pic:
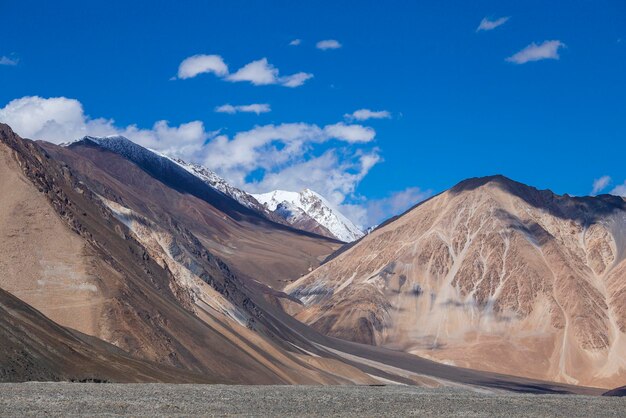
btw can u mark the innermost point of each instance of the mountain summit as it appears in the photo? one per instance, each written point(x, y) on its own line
point(300, 208)
point(491, 274)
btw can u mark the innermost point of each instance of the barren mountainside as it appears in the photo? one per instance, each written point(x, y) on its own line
point(140, 281)
point(167, 193)
point(36, 349)
point(125, 268)
point(158, 161)
point(491, 274)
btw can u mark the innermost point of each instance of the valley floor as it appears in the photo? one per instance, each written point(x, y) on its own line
point(72, 399)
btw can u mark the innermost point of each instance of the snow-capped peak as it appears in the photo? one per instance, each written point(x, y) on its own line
point(315, 206)
point(306, 210)
point(100, 140)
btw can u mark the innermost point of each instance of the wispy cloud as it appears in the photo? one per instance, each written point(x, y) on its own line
point(257, 108)
point(328, 44)
point(8, 61)
point(259, 72)
point(489, 24)
point(600, 184)
point(534, 52)
point(271, 146)
point(619, 190)
point(365, 114)
point(396, 203)
point(294, 80)
point(350, 133)
point(295, 42)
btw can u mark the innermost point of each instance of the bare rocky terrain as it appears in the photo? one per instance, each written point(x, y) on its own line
point(492, 275)
point(67, 399)
point(133, 270)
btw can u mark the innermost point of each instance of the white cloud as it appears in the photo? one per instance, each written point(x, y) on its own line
point(56, 119)
point(8, 61)
point(257, 72)
point(332, 175)
point(619, 190)
point(184, 141)
point(534, 52)
point(270, 146)
point(261, 72)
point(379, 210)
point(295, 42)
point(59, 119)
point(350, 133)
point(295, 80)
point(600, 184)
point(365, 114)
point(287, 156)
point(257, 108)
point(328, 44)
point(488, 24)
point(199, 64)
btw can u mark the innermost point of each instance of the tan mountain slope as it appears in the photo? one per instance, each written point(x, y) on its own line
point(135, 274)
point(255, 247)
point(71, 255)
point(491, 274)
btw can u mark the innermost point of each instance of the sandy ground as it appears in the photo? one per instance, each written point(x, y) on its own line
point(72, 399)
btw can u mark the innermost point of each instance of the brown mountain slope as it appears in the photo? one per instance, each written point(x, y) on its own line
point(67, 254)
point(35, 348)
point(139, 278)
point(255, 248)
point(493, 275)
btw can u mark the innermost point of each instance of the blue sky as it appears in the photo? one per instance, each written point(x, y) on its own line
point(456, 106)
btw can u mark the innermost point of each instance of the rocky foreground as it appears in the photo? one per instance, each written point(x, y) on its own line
point(71, 399)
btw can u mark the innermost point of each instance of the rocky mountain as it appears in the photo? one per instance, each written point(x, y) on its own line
point(258, 248)
point(134, 152)
point(116, 267)
point(93, 248)
point(218, 183)
point(307, 209)
point(492, 275)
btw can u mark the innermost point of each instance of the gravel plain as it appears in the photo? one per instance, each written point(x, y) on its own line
point(87, 399)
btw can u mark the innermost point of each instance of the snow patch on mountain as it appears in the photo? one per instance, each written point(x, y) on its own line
point(134, 152)
point(306, 210)
point(220, 184)
point(290, 204)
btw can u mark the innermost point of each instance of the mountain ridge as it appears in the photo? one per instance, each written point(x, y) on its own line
point(488, 258)
point(155, 161)
point(124, 258)
point(312, 205)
